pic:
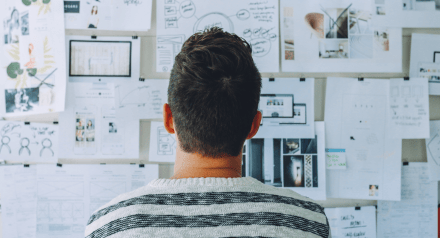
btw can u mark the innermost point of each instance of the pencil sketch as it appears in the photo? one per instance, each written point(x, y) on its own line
point(166, 145)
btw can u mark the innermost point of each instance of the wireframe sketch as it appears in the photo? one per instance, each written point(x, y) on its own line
point(98, 58)
point(107, 189)
point(166, 144)
point(257, 22)
point(25, 142)
point(60, 189)
point(60, 210)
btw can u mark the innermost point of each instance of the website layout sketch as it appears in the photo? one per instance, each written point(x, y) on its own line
point(112, 132)
point(33, 54)
point(85, 132)
point(28, 142)
point(100, 58)
point(162, 144)
point(255, 21)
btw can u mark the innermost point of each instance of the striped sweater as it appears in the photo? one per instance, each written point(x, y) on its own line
point(209, 207)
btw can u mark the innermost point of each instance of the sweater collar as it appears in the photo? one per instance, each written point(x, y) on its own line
point(210, 181)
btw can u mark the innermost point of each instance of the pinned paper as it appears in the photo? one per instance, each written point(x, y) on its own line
point(335, 158)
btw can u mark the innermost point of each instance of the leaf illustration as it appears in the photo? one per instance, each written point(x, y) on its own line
point(41, 9)
point(18, 82)
point(49, 62)
point(48, 56)
point(44, 69)
point(14, 56)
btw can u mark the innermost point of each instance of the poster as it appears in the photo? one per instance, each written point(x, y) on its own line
point(256, 21)
point(407, 13)
point(294, 163)
point(425, 60)
point(288, 108)
point(357, 120)
point(336, 36)
point(116, 15)
point(33, 78)
point(90, 128)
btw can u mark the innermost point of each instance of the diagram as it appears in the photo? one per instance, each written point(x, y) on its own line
point(137, 97)
point(60, 189)
point(25, 141)
point(166, 145)
point(256, 22)
point(107, 189)
point(60, 210)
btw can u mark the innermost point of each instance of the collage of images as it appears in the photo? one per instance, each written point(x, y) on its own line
point(342, 33)
point(282, 162)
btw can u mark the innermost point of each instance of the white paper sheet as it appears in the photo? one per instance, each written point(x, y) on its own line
point(425, 57)
point(407, 13)
point(103, 59)
point(33, 58)
point(89, 127)
point(349, 222)
point(409, 108)
point(19, 201)
point(336, 36)
point(294, 163)
point(433, 151)
point(50, 201)
point(279, 119)
point(128, 15)
point(141, 100)
point(255, 21)
point(356, 119)
point(162, 144)
point(416, 214)
point(28, 141)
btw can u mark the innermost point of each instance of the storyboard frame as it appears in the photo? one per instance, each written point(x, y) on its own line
point(102, 59)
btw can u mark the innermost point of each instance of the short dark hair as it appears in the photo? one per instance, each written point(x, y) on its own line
point(214, 93)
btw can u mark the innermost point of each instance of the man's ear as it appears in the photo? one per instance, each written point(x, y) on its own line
point(168, 119)
point(255, 125)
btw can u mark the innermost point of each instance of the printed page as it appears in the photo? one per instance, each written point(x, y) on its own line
point(352, 222)
point(425, 59)
point(416, 214)
point(293, 163)
point(108, 15)
point(89, 127)
point(336, 36)
point(407, 13)
point(409, 108)
point(162, 144)
point(103, 59)
point(142, 100)
point(255, 21)
point(356, 119)
point(33, 78)
point(433, 151)
point(287, 106)
point(19, 201)
point(28, 141)
point(62, 200)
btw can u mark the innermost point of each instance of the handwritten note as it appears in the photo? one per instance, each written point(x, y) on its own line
point(335, 158)
point(409, 108)
point(350, 222)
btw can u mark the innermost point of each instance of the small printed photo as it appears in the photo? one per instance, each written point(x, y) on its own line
point(90, 129)
point(289, 53)
point(360, 21)
point(380, 10)
point(25, 23)
point(291, 146)
point(361, 46)
point(336, 23)
point(315, 23)
point(90, 123)
point(381, 39)
point(21, 100)
point(11, 27)
point(275, 102)
point(293, 170)
point(374, 190)
point(421, 5)
point(112, 127)
point(333, 49)
point(309, 146)
point(79, 135)
point(93, 18)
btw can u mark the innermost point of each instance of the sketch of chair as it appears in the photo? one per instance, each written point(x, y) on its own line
point(315, 22)
point(340, 22)
point(47, 145)
point(5, 143)
point(24, 142)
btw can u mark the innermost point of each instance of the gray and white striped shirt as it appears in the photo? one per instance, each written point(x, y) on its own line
point(209, 207)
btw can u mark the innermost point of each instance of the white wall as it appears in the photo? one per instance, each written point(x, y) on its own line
point(412, 150)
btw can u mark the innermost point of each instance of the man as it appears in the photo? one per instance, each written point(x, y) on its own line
point(213, 101)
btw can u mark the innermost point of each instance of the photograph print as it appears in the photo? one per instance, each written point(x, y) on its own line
point(22, 99)
point(291, 146)
point(293, 170)
point(421, 5)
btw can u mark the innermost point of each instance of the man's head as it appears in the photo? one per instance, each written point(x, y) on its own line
point(213, 94)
